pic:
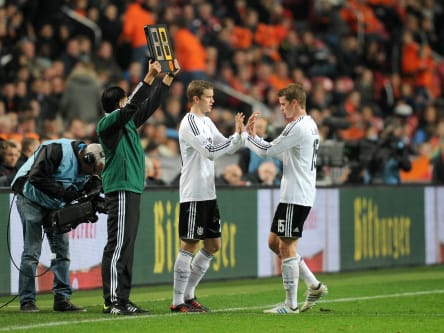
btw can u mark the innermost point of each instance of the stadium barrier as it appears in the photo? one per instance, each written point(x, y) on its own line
point(349, 228)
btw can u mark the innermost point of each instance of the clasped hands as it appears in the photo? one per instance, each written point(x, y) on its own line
point(249, 127)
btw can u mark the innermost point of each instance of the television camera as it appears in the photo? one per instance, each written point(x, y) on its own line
point(365, 154)
point(82, 210)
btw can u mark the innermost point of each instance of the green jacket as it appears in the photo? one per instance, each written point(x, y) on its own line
point(117, 131)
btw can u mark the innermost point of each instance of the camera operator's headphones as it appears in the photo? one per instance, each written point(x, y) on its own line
point(89, 158)
point(93, 154)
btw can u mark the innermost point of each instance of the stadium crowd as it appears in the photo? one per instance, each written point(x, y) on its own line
point(373, 70)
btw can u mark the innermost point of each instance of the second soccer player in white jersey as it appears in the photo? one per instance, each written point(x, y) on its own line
point(199, 219)
point(297, 145)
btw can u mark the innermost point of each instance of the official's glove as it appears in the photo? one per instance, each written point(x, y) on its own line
point(71, 195)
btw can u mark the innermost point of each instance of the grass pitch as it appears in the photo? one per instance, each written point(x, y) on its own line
point(398, 300)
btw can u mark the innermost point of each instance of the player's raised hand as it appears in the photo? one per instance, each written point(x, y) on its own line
point(251, 123)
point(239, 122)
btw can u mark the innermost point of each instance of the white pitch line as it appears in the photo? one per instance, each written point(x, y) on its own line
point(108, 317)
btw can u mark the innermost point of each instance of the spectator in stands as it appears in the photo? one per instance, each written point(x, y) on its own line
point(171, 110)
point(191, 54)
point(107, 68)
point(153, 174)
point(110, 23)
point(71, 55)
point(421, 171)
point(419, 67)
point(231, 175)
point(428, 120)
point(9, 156)
point(51, 128)
point(138, 13)
point(391, 156)
point(29, 146)
point(265, 175)
point(81, 98)
point(257, 35)
point(438, 166)
point(77, 129)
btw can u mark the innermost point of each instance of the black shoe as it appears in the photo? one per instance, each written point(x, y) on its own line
point(183, 308)
point(29, 307)
point(117, 309)
point(63, 304)
point(196, 305)
point(131, 307)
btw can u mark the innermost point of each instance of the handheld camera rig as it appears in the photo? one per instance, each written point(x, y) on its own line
point(82, 210)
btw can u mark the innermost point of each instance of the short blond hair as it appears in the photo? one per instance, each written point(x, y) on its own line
point(294, 91)
point(197, 87)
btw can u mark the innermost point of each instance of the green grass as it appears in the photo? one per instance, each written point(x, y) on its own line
point(390, 300)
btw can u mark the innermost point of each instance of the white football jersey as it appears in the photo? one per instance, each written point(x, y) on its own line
point(297, 145)
point(200, 144)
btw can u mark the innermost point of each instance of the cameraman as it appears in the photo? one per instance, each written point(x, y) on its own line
point(52, 177)
point(391, 156)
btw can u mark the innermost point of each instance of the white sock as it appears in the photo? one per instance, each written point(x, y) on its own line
point(290, 277)
point(199, 267)
point(182, 271)
point(306, 274)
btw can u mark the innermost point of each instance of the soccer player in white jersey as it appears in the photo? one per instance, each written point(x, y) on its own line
point(199, 219)
point(297, 145)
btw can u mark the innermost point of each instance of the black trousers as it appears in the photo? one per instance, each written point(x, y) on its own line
point(118, 255)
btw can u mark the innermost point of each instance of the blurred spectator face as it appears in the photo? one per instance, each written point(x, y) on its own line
point(21, 89)
point(430, 114)
point(47, 31)
point(252, 18)
point(440, 130)
point(85, 45)
point(106, 50)
point(261, 127)
point(173, 106)
point(9, 90)
point(316, 115)
point(267, 172)
point(73, 48)
point(111, 12)
point(13, 117)
point(233, 174)
point(205, 10)
point(93, 14)
point(161, 133)
point(5, 124)
point(58, 67)
point(135, 71)
point(78, 129)
point(153, 168)
point(23, 74)
point(188, 13)
point(27, 48)
point(51, 129)
point(57, 85)
point(157, 168)
point(177, 89)
point(11, 156)
point(28, 125)
point(30, 148)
